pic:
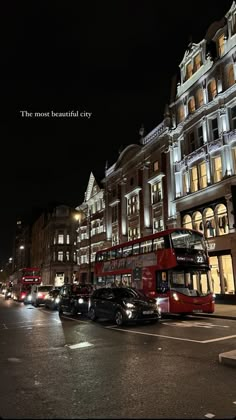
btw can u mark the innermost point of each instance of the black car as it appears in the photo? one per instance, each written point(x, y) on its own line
point(74, 298)
point(122, 305)
point(52, 299)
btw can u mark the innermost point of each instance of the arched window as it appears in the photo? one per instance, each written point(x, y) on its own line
point(199, 97)
point(187, 222)
point(229, 76)
point(191, 105)
point(209, 223)
point(181, 113)
point(212, 90)
point(197, 221)
point(222, 219)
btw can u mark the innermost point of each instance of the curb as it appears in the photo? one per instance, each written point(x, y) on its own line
point(228, 358)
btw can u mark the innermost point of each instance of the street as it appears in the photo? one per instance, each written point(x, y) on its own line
point(71, 367)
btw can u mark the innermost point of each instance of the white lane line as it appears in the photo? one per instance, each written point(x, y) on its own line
point(154, 335)
point(5, 327)
point(80, 345)
point(218, 339)
point(209, 415)
point(173, 338)
point(74, 319)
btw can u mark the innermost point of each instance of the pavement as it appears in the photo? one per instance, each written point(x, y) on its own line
point(225, 311)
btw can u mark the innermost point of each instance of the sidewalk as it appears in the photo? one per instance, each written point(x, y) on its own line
point(225, 311)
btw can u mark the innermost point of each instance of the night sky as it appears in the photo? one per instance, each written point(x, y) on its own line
point(113, 59)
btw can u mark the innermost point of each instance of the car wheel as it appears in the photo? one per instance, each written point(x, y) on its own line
point(153, 321)
point(92, 314)
point(36, 304)
point(119, 318)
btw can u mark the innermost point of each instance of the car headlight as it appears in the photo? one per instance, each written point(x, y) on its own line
point(57, 300)
point(81, 300)
point(130, 305)
point(29, 297)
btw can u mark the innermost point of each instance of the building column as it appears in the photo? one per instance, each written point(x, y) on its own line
point(146, 201)
point(230, 210)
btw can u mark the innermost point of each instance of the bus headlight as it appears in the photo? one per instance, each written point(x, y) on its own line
point(175, 296)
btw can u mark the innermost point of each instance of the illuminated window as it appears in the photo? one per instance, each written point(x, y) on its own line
point(200, 97)
point(212, 90)
point(133, 205)
point(67, 239)
point(222, 219)
point(67, 256)
point(214, 128)
point(191, 105)
point(187, 222)
point(229, 75)
point(155, 166)
point(158, 225)
point(60, 256)
point(215, 274)
point(181, 113)
point(221, 45)
point(217, 168)
point(189, 70)
point(197, 221)
point(156, 193)
point(203, 175)
point(200, 136)
point(197, 62)
point(227, 274)
point(114, 213)
point(60, 239)
point(209, 223)
point(193, 179)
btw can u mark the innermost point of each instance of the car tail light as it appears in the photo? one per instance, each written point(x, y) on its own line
point(23, 295)
point(40, 294)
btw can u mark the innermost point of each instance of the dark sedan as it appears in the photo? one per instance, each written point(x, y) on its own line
point(52, 299)
point(122, 305)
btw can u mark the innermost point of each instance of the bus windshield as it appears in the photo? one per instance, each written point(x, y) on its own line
point(28, 273)
point(190, 282)
point(187, 239)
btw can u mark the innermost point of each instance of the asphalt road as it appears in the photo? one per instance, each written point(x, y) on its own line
point(69, 367)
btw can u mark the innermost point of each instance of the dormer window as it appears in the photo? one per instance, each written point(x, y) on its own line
point(189, 70)
point(197, 62)
point(221, 45)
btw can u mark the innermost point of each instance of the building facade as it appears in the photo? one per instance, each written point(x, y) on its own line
point(54, 245)
point(203, 152)
point(91, 229)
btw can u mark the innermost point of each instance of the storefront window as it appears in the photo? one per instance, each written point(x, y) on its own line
point(215, 275)
point(209, 223)
point(197, 221)
point(222, 219)
point(228, 279)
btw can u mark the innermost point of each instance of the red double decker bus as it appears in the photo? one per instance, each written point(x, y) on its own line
point(171, 265)
point(23, 280)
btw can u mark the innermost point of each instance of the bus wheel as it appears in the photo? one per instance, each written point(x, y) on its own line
point(92, 314)
point(119, 318)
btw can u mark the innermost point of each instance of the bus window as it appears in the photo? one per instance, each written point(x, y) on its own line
point(145, 246)
point(119, 253)
point(127, 250)
point(112, 254)
point(136, 249)
point(158, 243)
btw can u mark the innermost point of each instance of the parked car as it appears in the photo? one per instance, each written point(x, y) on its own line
point(38, 293)
point(74, 298)
point(122, 305)
point(52, 299)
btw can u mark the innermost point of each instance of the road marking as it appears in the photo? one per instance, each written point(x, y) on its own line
point(73, 319)
point(209, 415)
point(13, 359)
point(173, 338)
point(154, 335)
point(194, 324)
point(5, 327)
point(80, 345)
point(218, 339)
